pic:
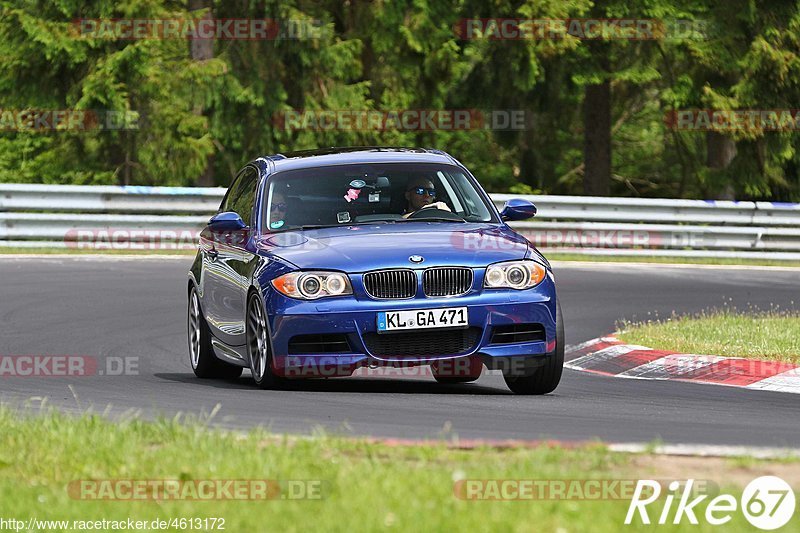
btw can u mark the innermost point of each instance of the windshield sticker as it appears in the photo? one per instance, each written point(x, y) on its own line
point(374, 197)
point(352, 194)
point(277, 224)
point(358, 184)
point(343, 217)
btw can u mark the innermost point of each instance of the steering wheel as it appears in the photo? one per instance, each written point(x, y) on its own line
point(433, 212)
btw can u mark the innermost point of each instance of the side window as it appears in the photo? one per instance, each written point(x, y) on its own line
point(225, 206)
point(473, 207)
point(242, 195)
point(451, 194)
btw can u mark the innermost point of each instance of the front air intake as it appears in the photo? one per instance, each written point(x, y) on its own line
point(391, 284)
point(447, 281)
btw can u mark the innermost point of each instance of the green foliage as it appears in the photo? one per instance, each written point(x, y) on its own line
point(218, 113)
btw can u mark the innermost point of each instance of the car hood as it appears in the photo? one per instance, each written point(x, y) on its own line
point(368, 247)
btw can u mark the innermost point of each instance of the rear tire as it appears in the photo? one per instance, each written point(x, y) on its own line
point(201, 354)
point(546, 378)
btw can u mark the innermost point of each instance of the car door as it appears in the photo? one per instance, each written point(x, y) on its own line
point(225, 260)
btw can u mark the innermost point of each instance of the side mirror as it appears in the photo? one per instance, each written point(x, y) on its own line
point(227, 221)
point(518, 209)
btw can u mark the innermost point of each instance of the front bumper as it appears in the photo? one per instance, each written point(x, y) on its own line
point(356, 317)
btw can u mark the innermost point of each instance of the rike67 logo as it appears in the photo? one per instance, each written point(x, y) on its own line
point(767, 502)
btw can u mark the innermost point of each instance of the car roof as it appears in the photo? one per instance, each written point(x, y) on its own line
point(357, 154)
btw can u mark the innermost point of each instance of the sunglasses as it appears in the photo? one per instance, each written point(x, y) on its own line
point(279, 206)
point(424, 190)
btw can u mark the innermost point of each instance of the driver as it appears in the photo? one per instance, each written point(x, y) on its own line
point(420, 193)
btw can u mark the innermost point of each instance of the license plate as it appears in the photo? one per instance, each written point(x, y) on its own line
point(422, 319)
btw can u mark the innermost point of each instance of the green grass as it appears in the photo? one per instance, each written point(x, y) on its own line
point(669, 260)
point(367, 486)
point(773, 335)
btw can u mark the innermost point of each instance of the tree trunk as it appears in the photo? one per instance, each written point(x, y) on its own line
point(528, 169)
point(202, 50)
point(720, 151)
point(597, 139)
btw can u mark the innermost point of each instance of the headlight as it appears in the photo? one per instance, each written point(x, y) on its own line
point(514, 275)
point(312, 285)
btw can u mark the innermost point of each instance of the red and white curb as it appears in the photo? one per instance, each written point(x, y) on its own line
point(612, 357)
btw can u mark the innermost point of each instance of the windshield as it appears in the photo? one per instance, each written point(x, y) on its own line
point(371, 193)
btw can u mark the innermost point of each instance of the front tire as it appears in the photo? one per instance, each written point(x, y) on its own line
point(547, 377)
point(201, 354)
point(258, 346)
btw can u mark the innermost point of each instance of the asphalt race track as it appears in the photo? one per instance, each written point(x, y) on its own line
point(118, 308)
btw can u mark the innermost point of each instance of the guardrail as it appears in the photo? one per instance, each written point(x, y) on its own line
point(168, 217)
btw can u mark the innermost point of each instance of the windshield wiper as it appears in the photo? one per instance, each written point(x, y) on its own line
point(306, 227)
point(432, 219)
point(321, 226)
point(353, 223)
point(377, 221)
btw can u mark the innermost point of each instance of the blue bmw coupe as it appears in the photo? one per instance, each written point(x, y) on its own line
point(324, 261)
